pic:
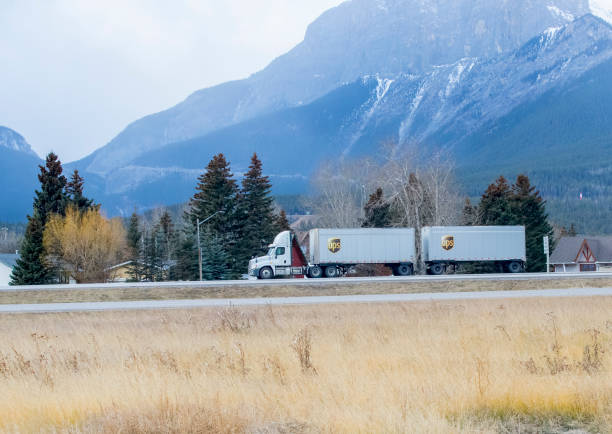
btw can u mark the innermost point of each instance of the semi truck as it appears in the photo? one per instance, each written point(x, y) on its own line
point(332, 252)
point(444, 246)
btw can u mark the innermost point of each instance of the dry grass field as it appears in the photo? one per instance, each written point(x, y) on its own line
point(480, 366)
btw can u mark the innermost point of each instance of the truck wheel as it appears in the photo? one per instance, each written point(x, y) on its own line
point(266, 273)
point(515, 267)
point(436, 269)
point(331, 272)
point(315, 272)
point(403, 270)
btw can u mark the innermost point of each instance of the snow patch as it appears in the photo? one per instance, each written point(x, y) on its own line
point(382, 87)
point(561, 14)
point(5, 275)
point(414, 106)
point(602, 9)
point(455, 75)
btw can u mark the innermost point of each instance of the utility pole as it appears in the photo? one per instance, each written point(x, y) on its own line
point(199, 223)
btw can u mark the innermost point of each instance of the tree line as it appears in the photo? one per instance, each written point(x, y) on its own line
point(68, 237)
point(405, 189)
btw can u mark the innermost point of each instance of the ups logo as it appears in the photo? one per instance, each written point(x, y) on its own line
point(334, 245)
point(448, 242)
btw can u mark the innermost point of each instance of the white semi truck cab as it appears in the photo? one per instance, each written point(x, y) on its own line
point(284, 258)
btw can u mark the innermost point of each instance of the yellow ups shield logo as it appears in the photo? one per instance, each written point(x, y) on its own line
point(448, 242)
point(334, 245)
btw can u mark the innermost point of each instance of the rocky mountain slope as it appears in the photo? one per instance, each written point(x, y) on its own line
point(18, 169)
point(357, 38)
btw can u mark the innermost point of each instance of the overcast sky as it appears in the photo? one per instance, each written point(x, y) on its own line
point(74, 73)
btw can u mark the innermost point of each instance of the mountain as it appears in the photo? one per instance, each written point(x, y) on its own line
point(18, 169)
point(503, 86)
point(357, 38)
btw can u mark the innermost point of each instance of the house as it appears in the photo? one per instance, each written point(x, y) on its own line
point(7, 262)
point(578, 254)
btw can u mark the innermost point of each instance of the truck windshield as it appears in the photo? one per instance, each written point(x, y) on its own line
point(271, 251)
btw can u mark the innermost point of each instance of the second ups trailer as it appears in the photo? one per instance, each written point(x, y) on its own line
point(450, 245)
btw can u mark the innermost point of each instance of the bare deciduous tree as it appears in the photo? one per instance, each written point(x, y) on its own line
point(342, 190)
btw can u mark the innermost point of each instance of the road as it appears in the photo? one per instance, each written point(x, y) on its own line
point(311, 282)
point(381, 298)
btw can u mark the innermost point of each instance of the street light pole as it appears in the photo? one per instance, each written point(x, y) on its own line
point(199, 223)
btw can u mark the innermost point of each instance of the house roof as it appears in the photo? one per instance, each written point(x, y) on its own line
point(568, 249)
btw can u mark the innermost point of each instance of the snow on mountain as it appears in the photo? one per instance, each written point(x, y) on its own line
point(354, 39)
point(13, 140)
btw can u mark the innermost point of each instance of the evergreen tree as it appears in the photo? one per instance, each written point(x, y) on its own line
point(74, 193)
point(282, 223)
point(255, 214)
point(134, 241)
point(215, 259)
point(216, 191)
point(216, 199)
point(377, 211)
point(530, 211)
point(494, 207)
point(186, 267)
point(30, 268)
point(469, 216)
point(51, 198)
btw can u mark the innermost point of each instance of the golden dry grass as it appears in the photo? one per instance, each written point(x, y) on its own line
point(264, 290)
point(478, 366)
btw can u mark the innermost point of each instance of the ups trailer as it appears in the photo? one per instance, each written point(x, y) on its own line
point(332, 252)
point(444, 246)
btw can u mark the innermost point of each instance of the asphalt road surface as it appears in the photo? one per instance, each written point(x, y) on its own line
point(310, 282)
point(381, 298)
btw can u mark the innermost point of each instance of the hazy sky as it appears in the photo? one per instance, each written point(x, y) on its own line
point(74, 73)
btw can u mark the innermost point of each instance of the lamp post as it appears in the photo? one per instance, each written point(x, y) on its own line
point(199, 223)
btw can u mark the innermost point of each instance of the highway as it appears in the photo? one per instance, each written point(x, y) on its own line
point(310, 282)
point(280, 301)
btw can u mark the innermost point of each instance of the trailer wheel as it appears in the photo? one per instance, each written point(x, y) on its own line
point(436, 269)
point(315, 272)
point(515, 267)
point(266, 273)
point(332, 272)
point(403, 270)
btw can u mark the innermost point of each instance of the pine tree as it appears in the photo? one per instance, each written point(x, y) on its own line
point(256, 214)
point(186, 267)
point(215, 259)
point(282, 223)
point(134, 241)
point(30, 268)
point(51, 198)
point(494, 207)
point(530, 211)
point(74, 193)
point(216, 200)
point(377, 211)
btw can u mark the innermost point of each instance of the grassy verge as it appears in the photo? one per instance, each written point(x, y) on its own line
point(542, 365)
point(259, 291)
